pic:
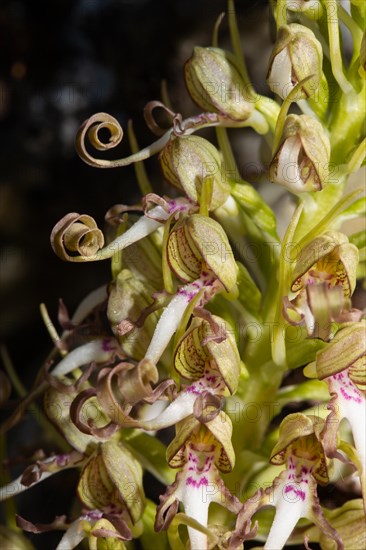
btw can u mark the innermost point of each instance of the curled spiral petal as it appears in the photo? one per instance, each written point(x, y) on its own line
point(150, 120)
point(90, 129)
point(87, 426)
point(89, 132)
point(76, 238)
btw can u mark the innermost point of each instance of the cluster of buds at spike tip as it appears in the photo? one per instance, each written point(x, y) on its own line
point(341, 364)
point(214, 82)
point(324, 278)
point(293, 493)
point(188, 162)
point(297, 55)
point(206, 356)
point(301, 162)
point(202, 451)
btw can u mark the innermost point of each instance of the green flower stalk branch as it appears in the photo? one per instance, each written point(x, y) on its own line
point(247, 348)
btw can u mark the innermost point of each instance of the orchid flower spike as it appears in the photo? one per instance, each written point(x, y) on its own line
point(323, 281)
point(293, 492)
point(201, 451)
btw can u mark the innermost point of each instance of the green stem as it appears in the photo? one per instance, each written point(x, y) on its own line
point(278, 339)
point(354, 29)
point(281, 13)
point(252, 415)
point(329, 218)
point(270, 109)
point(357, 158)
point(226, 149)
point(215, 33)
point(141, 174)
point(10, 509)
point(236, 45)
point(347, 125)
point(331, 7)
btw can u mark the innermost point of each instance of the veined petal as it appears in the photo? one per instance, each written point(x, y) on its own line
point(16, 486)
point(179, 409)
point(100, 351)
point(39, 472)
point(143, 227)
point(183, 406)
point(172, 316)
point(279, 77)
point(287, 170)
point(73, 536)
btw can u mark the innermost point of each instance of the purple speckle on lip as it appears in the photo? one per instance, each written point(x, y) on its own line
point(196, 484)
point(297, 492)
point(107, 344)
point(62, 460)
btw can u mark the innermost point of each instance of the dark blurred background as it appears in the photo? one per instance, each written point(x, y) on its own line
point(61, 62)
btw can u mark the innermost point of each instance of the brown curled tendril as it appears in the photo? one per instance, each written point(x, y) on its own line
point(207, 406)
point(150, 119)
point(156, 200)
point(115, 215)
point(76, 238)
point(108, 391)
point(89, 131)
point(71, 387)
point(91, 127)
point(88, 428)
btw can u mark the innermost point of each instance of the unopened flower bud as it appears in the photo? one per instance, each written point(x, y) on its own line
point(188, 161)
point(313, 9)
point(198, 350)
point(197, 243)
point(127, 298)
point(301, 162)
point(215, 84)
point(296, 56)
point(108, 480)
